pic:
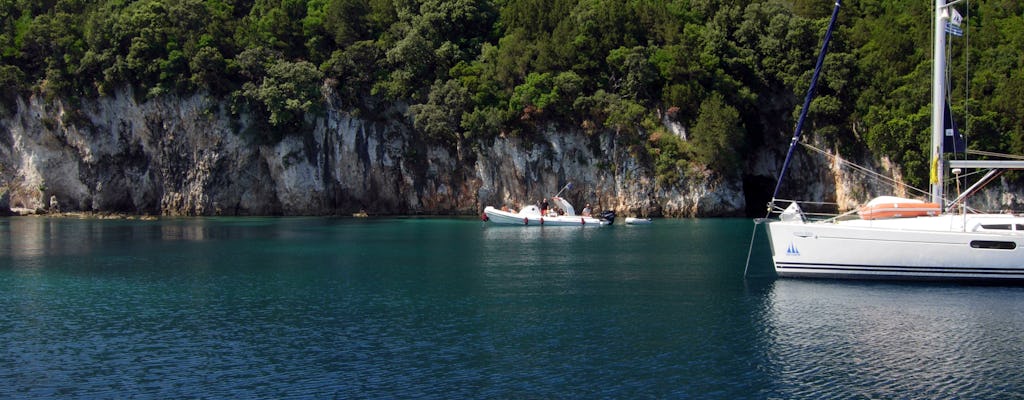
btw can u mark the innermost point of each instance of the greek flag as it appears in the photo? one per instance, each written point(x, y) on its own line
point(953, 25)
point(955, 18)
point(954, 30)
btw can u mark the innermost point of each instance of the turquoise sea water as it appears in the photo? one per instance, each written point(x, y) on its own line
point(454, 308)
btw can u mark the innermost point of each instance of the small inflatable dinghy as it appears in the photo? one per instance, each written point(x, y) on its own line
point(637, 221)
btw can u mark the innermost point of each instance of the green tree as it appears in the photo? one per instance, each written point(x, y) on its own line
point(441, 116)
point(282, 91)
point(290, 90)
point(11, 78)
point(410, 62)
point(355, 70)
point(633, 76)
point(54, 45)
point(275, 24)
point(670, 157)
point(610, 110)
point(209, 70)
point(347, 21)
point(533, 96)
point(718, 136)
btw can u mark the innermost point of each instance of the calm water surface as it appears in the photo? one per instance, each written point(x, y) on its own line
point(452, 308)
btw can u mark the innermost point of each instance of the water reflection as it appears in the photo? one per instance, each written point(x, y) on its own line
point(322, 308)
point(492, 232)
point(883, 340)
point(510, 246)
point(26, 239)
point(184, 231)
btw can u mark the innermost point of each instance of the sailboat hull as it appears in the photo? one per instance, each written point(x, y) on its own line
point(885, 243)
point(929, 248)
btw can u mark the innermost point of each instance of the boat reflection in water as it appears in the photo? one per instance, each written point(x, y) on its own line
point(506, 246)
point(885, 340)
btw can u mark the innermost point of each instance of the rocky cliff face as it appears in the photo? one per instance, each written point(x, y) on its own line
point(185, 156)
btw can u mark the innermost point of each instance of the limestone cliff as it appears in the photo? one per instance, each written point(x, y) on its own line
point(186, 156)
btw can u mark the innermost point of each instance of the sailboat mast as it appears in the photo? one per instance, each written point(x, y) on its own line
point(938, 101)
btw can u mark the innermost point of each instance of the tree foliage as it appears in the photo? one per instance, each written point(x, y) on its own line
point(719, 135)
point(734, 72)
point(288, 91)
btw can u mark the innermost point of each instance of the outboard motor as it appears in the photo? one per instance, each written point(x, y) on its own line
point(608, 216)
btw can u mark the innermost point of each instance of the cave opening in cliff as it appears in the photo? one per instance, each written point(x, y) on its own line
point(757, 191)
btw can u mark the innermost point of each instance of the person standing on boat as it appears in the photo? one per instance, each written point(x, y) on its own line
point(544, 206)
point(586, 210)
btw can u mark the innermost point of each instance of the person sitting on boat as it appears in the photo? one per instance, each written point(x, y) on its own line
point(586, 210)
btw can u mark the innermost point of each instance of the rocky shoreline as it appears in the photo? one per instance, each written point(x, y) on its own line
point(25, 212)
point(175, 156)
point(188, 156)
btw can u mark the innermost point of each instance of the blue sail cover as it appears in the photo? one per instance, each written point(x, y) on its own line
point(953, 141)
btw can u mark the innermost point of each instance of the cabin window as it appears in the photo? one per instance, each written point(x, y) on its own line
point(1003, 227)
point(993, 244)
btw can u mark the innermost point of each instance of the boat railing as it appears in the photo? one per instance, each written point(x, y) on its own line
point(812, 210)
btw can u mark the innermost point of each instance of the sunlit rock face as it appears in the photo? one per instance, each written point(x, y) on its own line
point(189, 156)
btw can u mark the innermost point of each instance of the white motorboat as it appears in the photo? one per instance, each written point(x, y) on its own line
point(898, 239)
point(531, 216)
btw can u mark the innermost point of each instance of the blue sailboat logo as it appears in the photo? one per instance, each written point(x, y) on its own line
point(791, 250)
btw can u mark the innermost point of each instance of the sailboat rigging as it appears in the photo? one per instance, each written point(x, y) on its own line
point(897, 238)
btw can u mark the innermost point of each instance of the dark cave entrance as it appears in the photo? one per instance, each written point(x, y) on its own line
point(757, 191)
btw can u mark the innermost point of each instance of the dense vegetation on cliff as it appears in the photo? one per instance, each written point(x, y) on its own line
point(727, 71)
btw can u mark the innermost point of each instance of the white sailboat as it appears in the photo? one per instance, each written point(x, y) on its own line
point(938, 241)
